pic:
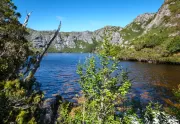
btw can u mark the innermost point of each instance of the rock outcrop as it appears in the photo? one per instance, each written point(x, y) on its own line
point(69, 39)
point(144, 19)
point(123, 36)
point(157, 21)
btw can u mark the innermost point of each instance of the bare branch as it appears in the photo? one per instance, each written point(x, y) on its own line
point(27, 19)
point(39, 58)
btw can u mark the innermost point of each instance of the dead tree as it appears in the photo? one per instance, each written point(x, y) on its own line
point(32, 71)
point(39, 57)
point(27, 19)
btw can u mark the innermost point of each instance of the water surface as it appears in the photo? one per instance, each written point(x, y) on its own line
point(151, 82)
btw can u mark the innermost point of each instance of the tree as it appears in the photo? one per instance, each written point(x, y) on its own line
point(104, 85)
point(39, 57)
point(14, 48)
point(21, 100)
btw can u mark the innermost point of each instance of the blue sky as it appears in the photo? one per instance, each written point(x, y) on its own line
point(82, 15)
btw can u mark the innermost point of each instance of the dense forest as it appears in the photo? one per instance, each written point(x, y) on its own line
point(104, 88)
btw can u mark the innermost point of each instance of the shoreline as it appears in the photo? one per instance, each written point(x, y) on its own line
point(149, 61)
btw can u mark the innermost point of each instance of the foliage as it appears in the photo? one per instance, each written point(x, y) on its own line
point(13, 46)
point(20, 101)
point(155, 114)
point(175, 109)
point(52, 50)
point(64, 117)
point(154, 37)
point(102, 87)
point(174, 45)
point(174, 8)
point(155, 46)
point(129, 34)
point(103, 83)
point(159, 43)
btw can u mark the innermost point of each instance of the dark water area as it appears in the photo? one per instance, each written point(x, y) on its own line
point(150, 82)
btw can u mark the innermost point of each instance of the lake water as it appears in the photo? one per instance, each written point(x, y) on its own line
point(150, 82)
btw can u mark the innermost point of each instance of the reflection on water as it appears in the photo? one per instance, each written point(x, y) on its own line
point(57, 74)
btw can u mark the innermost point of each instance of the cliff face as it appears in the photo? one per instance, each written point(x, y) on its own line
point(166, 20)
point(69, 39)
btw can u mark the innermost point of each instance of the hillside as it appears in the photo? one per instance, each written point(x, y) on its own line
point(152, 37)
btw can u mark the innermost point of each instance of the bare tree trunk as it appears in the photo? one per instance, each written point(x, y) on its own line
point(36, 65)
point(27, 19)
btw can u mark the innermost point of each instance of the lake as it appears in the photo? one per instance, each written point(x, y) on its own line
point(150, 82)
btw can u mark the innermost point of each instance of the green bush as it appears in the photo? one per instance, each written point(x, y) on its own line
point(101, 90)
point(19, 100)
point(128, 34)
point(52, 50)
point(153, 40)
point(174, 45)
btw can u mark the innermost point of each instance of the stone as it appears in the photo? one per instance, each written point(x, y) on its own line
point(68, 39)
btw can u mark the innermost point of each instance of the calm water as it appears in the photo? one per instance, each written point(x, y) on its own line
point(57, 74)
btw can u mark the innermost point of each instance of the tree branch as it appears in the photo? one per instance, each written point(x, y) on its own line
point(39, 58)
point(27, 19)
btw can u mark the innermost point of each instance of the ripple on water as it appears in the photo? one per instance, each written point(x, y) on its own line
point(57, 75)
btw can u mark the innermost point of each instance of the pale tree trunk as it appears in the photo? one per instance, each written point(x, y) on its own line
point(27, 19)
point(39, 58)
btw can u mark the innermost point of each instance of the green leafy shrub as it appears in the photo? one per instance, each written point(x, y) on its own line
point(14, 47)
point(52, 50)
point(129, 34)
point(174, 45)
point(19, 101)
point(102, 87)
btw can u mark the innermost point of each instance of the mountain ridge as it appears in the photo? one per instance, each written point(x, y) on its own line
point(150, 36)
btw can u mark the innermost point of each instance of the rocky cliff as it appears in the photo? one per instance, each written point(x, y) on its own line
point(162, 26)
point(70, 39)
